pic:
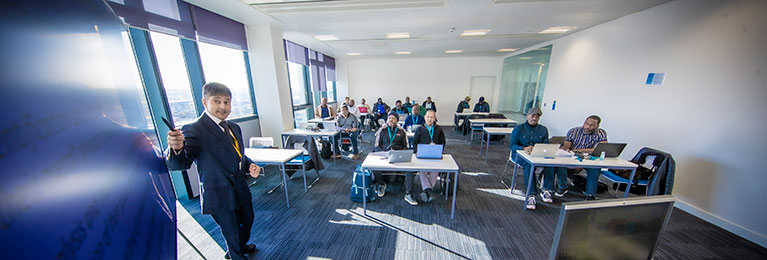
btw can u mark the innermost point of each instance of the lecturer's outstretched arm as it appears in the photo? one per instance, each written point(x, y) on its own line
point(183, 147)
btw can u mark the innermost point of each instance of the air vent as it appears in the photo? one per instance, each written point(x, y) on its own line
point(303, 6)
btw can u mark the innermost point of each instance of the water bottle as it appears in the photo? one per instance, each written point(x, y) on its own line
point(602, 156)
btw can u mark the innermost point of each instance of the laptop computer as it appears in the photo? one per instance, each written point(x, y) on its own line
point(363, 109)
point(400, 156)
point(429, 151)
point(611, 149)
point(329, 125)
point(545, 150)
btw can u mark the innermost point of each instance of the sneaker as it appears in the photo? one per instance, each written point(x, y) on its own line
point(355, 157)
point(530, 203)
point(381, 190)
point(590, 197)
point(561, 193)
point(410, 200)
point(546, 196)
point(428, 192)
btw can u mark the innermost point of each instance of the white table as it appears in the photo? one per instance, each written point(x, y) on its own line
point(459, 116)
point(609, 163)
point(320, 120)
point(302, 132)
point(490, 131)
point(484, 121)
point(447, 164)
point(279, 157)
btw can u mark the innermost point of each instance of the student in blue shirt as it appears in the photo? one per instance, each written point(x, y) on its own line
point(414, 119)
point(324, 110)
point(584, 139)
point(380, 109)
point(482, 106)
point(524, 137)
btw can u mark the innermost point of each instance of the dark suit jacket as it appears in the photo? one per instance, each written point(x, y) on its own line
point(222, 173)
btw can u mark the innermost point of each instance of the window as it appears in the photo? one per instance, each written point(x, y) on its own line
point(227, 66)
point(331, 85)
point(142, 99)
point(297, 79)
point(175, 79)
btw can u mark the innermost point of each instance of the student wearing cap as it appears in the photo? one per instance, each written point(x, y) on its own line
point(429, 105)
point(391, 137)
point(524, 137)
point(414, 119)
point(429, 133)
point(482, 106)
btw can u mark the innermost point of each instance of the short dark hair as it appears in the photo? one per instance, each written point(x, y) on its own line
point(398, 101)
point(595, 117)
point(215, 89)
point(345, 106)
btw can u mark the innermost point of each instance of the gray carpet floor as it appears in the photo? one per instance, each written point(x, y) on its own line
point(325, 223)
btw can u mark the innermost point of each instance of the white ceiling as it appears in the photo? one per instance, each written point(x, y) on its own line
point(361, 25)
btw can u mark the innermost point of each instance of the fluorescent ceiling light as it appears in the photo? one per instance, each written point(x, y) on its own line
point(402, 52)
point(326, 37)
point(558, 29)
point(508, 49)
point(525, 58)
point(469, 33)
point(354, 54)
point(402, 35)
point(454, 51)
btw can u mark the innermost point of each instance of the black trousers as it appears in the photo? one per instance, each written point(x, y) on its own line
point(409, 176)
point(375, 120)
point(235, 226)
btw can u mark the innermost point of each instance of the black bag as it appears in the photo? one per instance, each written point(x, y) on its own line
point(580, 183)
point(326, 151)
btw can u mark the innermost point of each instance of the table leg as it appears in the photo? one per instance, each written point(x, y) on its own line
point(481, 139)
point(364, 193)
point(335, 146)
point(282, 138)
point(285, 183)
point(631, 180)
point(487, 149)
point(513, 179)
point(303, 170)
point(530, 184)
point(455, 189)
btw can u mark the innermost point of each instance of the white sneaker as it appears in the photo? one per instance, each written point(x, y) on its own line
point(546, 196)
point(381, 190)
point(410, 200)
point(530, 203)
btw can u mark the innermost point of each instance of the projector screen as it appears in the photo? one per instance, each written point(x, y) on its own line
point(611, 229)
point(82, 173)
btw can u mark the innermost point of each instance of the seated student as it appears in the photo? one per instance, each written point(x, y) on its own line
point(324, 110)
point(414, 119)
point(408, 105)
point(347, 124)
point(524, 137)
point(429, 105)
point(354, 110)
point(584, 139)
point(463, 105)
point(346, 103)
point(392, 137)
point(380, 109)
point(482, 106)
point(399, 109)
point(430, 133)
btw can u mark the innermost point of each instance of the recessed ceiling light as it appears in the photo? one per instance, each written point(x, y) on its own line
point(525, 58)
point(558, 29)
point(402, 52)
point(402, 35)
point(508, 49)
point(354, 54)
point(469, 33)
point(454, 51)
point(329, 37)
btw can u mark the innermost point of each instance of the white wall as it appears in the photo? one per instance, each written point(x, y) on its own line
point(446, 80)
point(709, 113)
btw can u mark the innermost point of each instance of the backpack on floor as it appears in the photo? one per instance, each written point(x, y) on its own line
point(357, 190)
point(326, 151)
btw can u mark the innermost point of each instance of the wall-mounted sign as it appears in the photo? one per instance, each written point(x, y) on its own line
point(655, 79)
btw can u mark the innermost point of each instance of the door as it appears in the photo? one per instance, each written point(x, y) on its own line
point(482, 86)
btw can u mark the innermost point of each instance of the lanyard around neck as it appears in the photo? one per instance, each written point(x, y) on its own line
point(391, 136)
point(431, 132)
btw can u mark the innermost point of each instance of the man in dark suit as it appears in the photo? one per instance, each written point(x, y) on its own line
point(216, 146)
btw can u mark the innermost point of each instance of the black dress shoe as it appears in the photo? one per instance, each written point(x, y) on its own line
point(227, 256)
point(249, 248)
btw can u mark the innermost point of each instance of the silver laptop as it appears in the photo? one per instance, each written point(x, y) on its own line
point(545, 150)
point(429, 151)
point(329, 125)
point(400, 156)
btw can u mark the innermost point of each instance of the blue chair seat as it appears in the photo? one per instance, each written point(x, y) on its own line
point(300, 160)
point(618, 179)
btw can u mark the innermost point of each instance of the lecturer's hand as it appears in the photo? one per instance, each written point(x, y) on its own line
point(176, 140)
point(254, 170)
